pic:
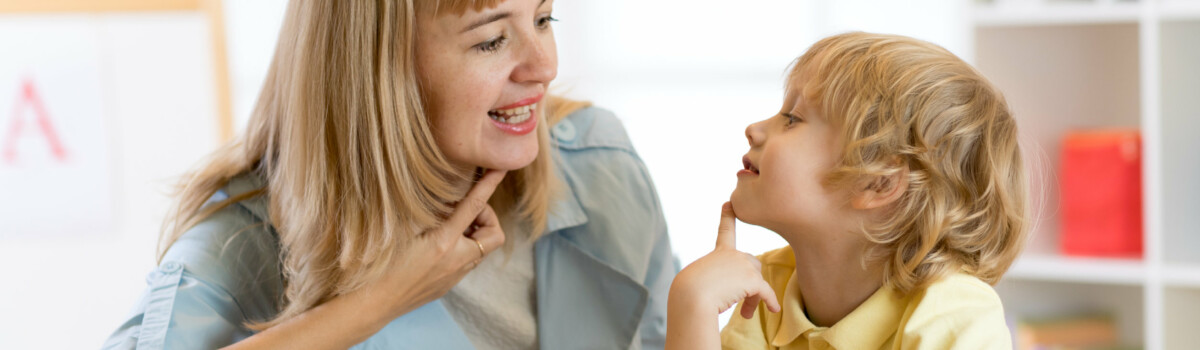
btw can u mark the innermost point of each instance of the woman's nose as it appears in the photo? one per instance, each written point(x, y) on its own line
point(538, 60)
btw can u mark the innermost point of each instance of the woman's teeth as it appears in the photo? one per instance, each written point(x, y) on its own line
point(513, 115)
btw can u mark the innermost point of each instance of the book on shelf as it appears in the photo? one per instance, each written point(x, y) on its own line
point(1101, 184)
point(1083, 331)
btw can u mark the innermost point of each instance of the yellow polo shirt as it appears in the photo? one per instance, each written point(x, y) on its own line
point(958, 312)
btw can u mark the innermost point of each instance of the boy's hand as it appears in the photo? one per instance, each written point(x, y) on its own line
point(724, 277)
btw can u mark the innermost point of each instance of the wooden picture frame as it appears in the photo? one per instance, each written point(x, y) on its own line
point(212, 9)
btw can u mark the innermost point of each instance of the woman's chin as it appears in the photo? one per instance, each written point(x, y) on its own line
point(510, 162)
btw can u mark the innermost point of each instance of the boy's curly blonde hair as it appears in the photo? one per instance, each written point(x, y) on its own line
point(906, 106)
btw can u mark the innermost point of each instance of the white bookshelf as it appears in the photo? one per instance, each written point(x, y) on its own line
point(1185, 276)
point(1067, 64)
point(1035, 13)
point(1100, 271)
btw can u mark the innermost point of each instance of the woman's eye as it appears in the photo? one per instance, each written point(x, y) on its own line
point(544, 22)
point(491, 45)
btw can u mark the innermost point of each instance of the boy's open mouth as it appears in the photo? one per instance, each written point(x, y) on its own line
point(747, 165)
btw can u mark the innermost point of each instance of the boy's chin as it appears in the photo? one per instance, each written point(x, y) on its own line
point(742, 208)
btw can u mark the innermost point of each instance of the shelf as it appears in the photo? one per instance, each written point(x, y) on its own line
point(1035, 14)
point(1055, 14)
point(1033, 300)
point(1180, 10)
point(1182, 275)
point(1181, 317)
point(1079, 270)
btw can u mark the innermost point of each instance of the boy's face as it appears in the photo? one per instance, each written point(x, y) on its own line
point(781, 187)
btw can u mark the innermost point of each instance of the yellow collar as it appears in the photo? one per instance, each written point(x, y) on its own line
point(867, 327)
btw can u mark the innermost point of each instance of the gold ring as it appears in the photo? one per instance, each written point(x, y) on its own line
point(480, 245)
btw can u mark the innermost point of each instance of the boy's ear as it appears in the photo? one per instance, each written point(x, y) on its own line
point(881, 191)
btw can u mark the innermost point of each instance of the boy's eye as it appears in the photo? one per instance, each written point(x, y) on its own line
point(492, 44)
point(789, 119)
point(544, 22)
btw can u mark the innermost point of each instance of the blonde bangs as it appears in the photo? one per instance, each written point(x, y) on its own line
point(457, 7)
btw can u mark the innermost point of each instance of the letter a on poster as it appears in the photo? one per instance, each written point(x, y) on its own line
point(55, 168)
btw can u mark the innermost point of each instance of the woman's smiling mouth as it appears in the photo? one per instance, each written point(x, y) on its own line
point(518, 118)
point(513, 115)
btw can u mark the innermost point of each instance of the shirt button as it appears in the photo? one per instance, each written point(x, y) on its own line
point(564, 131)
point(171, 266)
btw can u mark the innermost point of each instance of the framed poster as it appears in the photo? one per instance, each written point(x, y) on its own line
point(63, 113)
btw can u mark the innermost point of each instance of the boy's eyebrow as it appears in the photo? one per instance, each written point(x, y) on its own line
point(799, 113)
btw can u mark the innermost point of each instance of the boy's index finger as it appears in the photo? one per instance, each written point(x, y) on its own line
point(726, 237)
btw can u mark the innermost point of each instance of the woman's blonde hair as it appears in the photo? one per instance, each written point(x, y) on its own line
point(906, 106)
point(352, 169)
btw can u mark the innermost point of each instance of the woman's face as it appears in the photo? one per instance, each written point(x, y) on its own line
point(483, 76)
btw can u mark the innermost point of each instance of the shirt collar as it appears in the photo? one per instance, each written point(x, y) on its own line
point(794, 322)
point(566, 210)
point(871, 324)
point(867, 327)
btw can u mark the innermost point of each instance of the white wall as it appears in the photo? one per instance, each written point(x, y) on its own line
point(686, 77)
point(252, 28)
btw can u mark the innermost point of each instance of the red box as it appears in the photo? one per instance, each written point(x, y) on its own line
point(1101, 182)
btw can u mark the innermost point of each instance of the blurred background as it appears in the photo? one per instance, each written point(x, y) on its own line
point(103, 103)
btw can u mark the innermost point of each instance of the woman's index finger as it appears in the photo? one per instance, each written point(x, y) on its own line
point(476, 199)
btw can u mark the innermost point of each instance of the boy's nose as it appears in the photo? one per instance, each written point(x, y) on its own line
point(755, 134)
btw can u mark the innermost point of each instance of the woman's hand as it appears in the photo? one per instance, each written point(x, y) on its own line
point(440, 257)
point(435, 261)
point(711, 285)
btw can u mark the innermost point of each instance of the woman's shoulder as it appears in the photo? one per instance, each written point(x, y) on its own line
point(608, 191)
point(593, 146)
point(591, 128)
point(220, 274)
point(598, 162)
point(235, 248)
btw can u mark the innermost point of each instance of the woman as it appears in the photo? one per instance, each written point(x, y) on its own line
point(359, 208)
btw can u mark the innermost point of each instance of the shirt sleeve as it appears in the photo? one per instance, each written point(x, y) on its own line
point(744, 334)
point(180, 311)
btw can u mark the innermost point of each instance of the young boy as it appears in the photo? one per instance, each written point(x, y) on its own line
point(893, 173)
